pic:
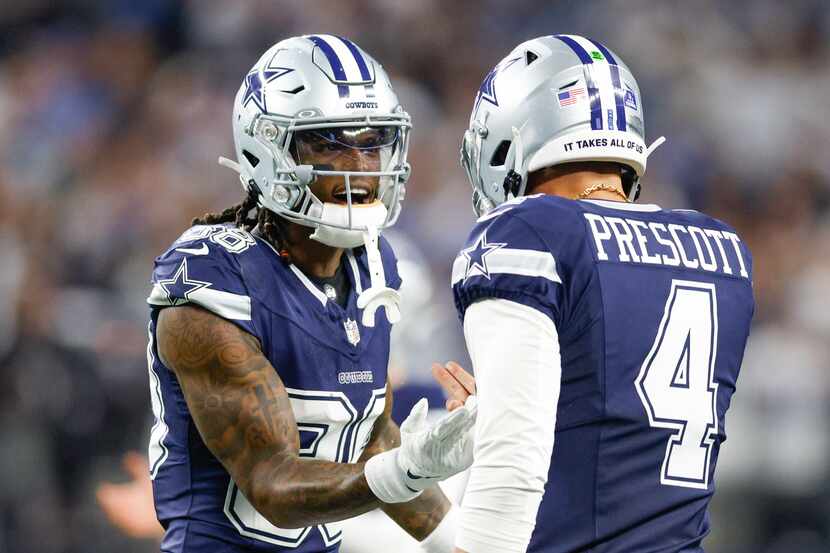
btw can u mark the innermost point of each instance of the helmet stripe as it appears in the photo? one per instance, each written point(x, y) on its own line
point(350, 66)
point(593, 91)
point(358, 57)
point(576, 47)
point(619, 93)
point(334, 61)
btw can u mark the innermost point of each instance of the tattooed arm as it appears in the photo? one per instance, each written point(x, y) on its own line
point(244, 416)
point(420, 516)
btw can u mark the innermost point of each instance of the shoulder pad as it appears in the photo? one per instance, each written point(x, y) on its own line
point(550, 218)
point(202, 267)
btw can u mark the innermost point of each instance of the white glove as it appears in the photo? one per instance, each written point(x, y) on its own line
point(426, 455)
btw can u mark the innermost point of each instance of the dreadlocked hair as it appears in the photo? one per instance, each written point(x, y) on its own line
point(270, 226)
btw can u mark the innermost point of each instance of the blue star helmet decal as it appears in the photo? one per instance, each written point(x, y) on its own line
point(487, 90)
point(180, 286)
point(254, 84)
point(476, 256)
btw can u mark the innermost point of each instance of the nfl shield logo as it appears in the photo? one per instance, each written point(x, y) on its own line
point(352, 331)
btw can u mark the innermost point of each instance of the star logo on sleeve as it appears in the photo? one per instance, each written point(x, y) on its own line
point(256, 80)
point(487, 90)
point(179, 288)
point(476, 256)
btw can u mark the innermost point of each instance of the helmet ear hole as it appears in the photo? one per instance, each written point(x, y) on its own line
point(252, 159)
point(500, 154)
point(530, 57)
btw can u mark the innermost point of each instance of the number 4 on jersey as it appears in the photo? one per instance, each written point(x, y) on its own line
point(676, 382)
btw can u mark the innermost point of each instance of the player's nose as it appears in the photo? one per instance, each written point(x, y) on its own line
point(363, 160)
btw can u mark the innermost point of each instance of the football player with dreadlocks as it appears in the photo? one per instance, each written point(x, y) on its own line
point(606, 336)
point(270, 324)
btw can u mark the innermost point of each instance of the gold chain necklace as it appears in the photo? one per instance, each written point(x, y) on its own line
point(607, 187)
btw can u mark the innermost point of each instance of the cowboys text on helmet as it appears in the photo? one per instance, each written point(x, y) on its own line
point(313, 96)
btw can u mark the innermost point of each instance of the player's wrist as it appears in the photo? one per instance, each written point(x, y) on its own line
point(427, 455)
point(442, 538)
point(387, 479)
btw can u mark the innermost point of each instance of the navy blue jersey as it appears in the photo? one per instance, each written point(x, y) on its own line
point(652, 308)
point(333, 367)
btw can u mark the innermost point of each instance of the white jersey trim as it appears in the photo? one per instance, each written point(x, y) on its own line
point(310, 285)
point(625, 206)
point(531, 263)
point(236, 307)
point(157, 450)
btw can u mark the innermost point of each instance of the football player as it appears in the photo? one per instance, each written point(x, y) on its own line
point(606, 335)
point(270, 324)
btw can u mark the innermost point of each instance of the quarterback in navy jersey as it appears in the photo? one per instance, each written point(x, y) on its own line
point(606, 336)
point(270, 324)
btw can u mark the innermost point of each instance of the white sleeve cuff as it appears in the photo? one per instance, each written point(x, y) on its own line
point(385, 478)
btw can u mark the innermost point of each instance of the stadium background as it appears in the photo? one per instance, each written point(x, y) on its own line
point(112, 114)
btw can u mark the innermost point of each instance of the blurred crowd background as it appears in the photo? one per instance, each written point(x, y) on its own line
point(112, 115)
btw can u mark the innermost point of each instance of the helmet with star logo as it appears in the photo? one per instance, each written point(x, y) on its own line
point(306, 101)
point(552, 100)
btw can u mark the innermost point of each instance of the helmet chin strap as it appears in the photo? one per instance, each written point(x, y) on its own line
point(378, 295)
point(230, 164)
point(634, 191)
point(366, 219)
point(654, 145)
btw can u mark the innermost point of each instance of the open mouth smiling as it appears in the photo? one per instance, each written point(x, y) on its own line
point(361, 194)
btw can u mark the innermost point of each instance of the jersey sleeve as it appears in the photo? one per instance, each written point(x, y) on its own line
point(203, 273)
point(506, 258)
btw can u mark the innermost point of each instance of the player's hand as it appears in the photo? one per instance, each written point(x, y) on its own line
point(430, 454)
point(427, 454)
point(129, 506)
point(457, 383)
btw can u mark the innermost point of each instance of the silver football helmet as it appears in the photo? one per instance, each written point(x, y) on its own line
point(552, 100)
point(325, 91)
